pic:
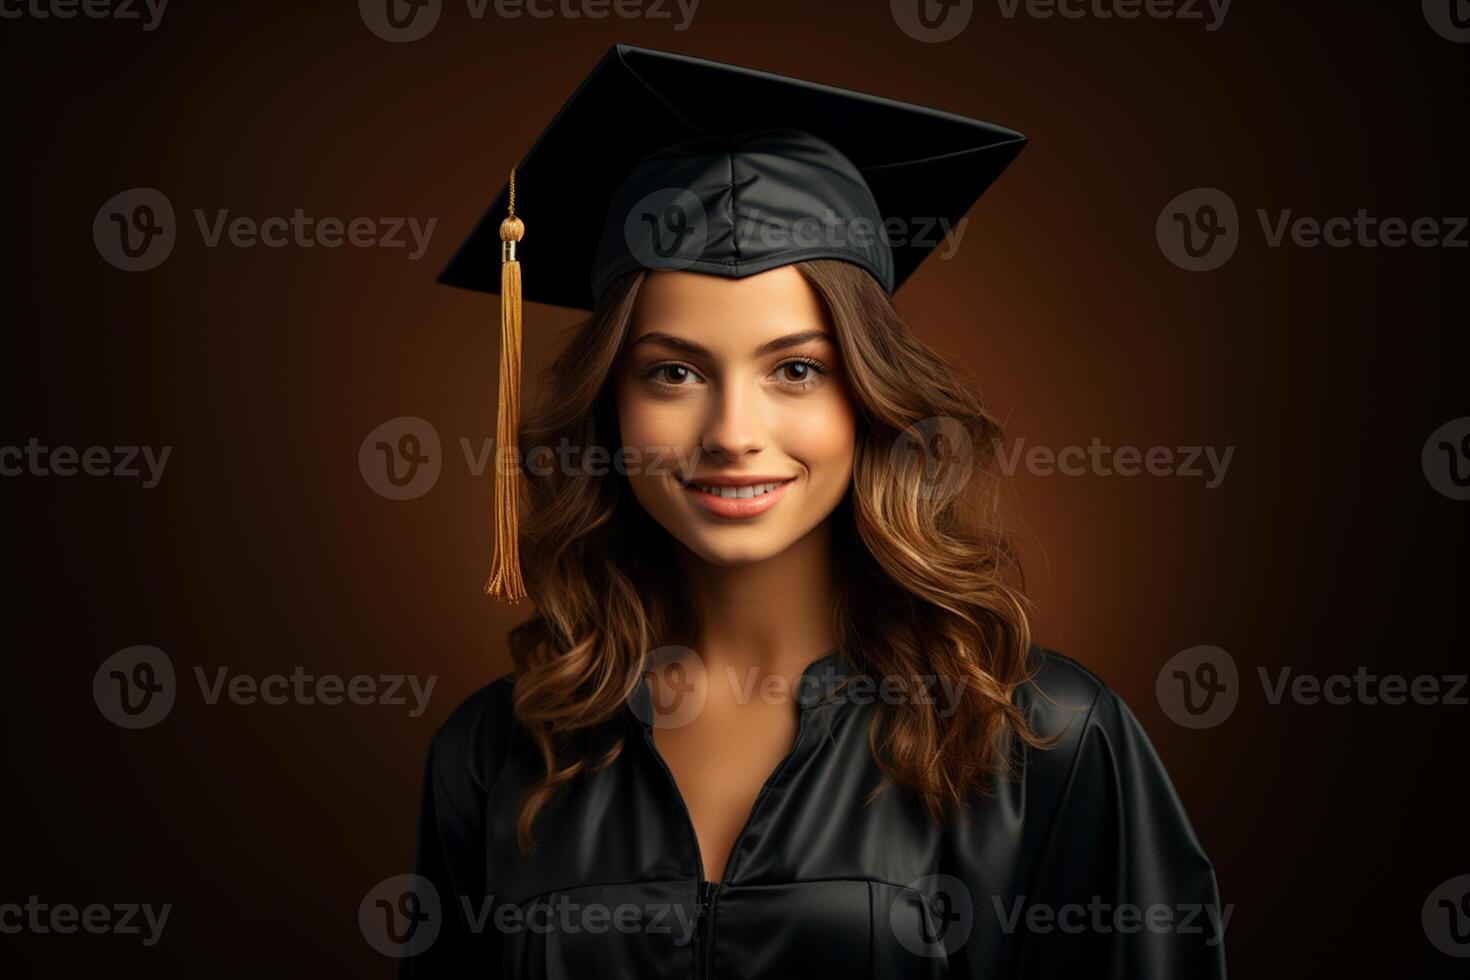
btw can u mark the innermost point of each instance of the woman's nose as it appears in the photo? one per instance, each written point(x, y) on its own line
point(735, 425)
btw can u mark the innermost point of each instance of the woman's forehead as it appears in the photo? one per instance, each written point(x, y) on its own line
point(731, 315)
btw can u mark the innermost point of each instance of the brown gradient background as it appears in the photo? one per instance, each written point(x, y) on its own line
point(263, 548)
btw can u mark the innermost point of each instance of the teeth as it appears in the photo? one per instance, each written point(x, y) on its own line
point(739, 493)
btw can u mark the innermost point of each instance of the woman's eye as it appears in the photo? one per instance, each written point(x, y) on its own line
point(799, 374)
point(793, 374)
point(672, 375)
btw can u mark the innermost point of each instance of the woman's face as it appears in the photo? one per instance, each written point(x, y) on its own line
point(726, 386)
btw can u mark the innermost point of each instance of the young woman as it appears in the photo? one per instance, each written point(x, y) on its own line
point(778, 708)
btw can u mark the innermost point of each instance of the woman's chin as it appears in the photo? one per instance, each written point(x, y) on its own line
point(734, 546)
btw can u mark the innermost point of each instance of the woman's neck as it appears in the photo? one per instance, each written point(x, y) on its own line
point(775, 616)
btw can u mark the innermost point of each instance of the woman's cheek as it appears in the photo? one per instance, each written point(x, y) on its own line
point(820, 434)
point(655, 427)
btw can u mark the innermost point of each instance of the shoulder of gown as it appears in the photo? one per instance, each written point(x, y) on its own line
point(465, 755)
point(1106, 832)
point(467, 751)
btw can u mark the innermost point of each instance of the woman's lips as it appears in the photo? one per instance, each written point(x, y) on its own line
point(738, 507)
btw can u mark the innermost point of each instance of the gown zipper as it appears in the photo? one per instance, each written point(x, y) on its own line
point(702, 928)
point(707, 890)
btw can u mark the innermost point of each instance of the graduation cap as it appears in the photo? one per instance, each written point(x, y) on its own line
point(664, 161)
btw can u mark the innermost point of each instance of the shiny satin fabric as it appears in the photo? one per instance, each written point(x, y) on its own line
point(1083, 866)
point(741, 203)
point(870, 180)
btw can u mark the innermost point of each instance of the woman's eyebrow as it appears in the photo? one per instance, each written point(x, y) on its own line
point(779, 343)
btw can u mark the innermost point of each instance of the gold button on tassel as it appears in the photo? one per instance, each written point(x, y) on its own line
point(505, 569)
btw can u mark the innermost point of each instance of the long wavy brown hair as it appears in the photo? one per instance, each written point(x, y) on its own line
point(929, 583)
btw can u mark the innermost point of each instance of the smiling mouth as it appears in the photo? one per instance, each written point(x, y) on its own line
point(746, 491)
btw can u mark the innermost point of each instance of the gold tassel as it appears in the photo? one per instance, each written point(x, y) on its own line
point(505, 569)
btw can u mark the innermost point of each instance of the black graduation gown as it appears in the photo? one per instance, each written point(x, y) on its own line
point(1085, 866)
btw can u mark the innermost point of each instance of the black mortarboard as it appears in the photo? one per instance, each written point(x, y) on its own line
point(660, 160)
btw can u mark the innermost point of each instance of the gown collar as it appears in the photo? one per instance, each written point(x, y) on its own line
point(820, 682)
